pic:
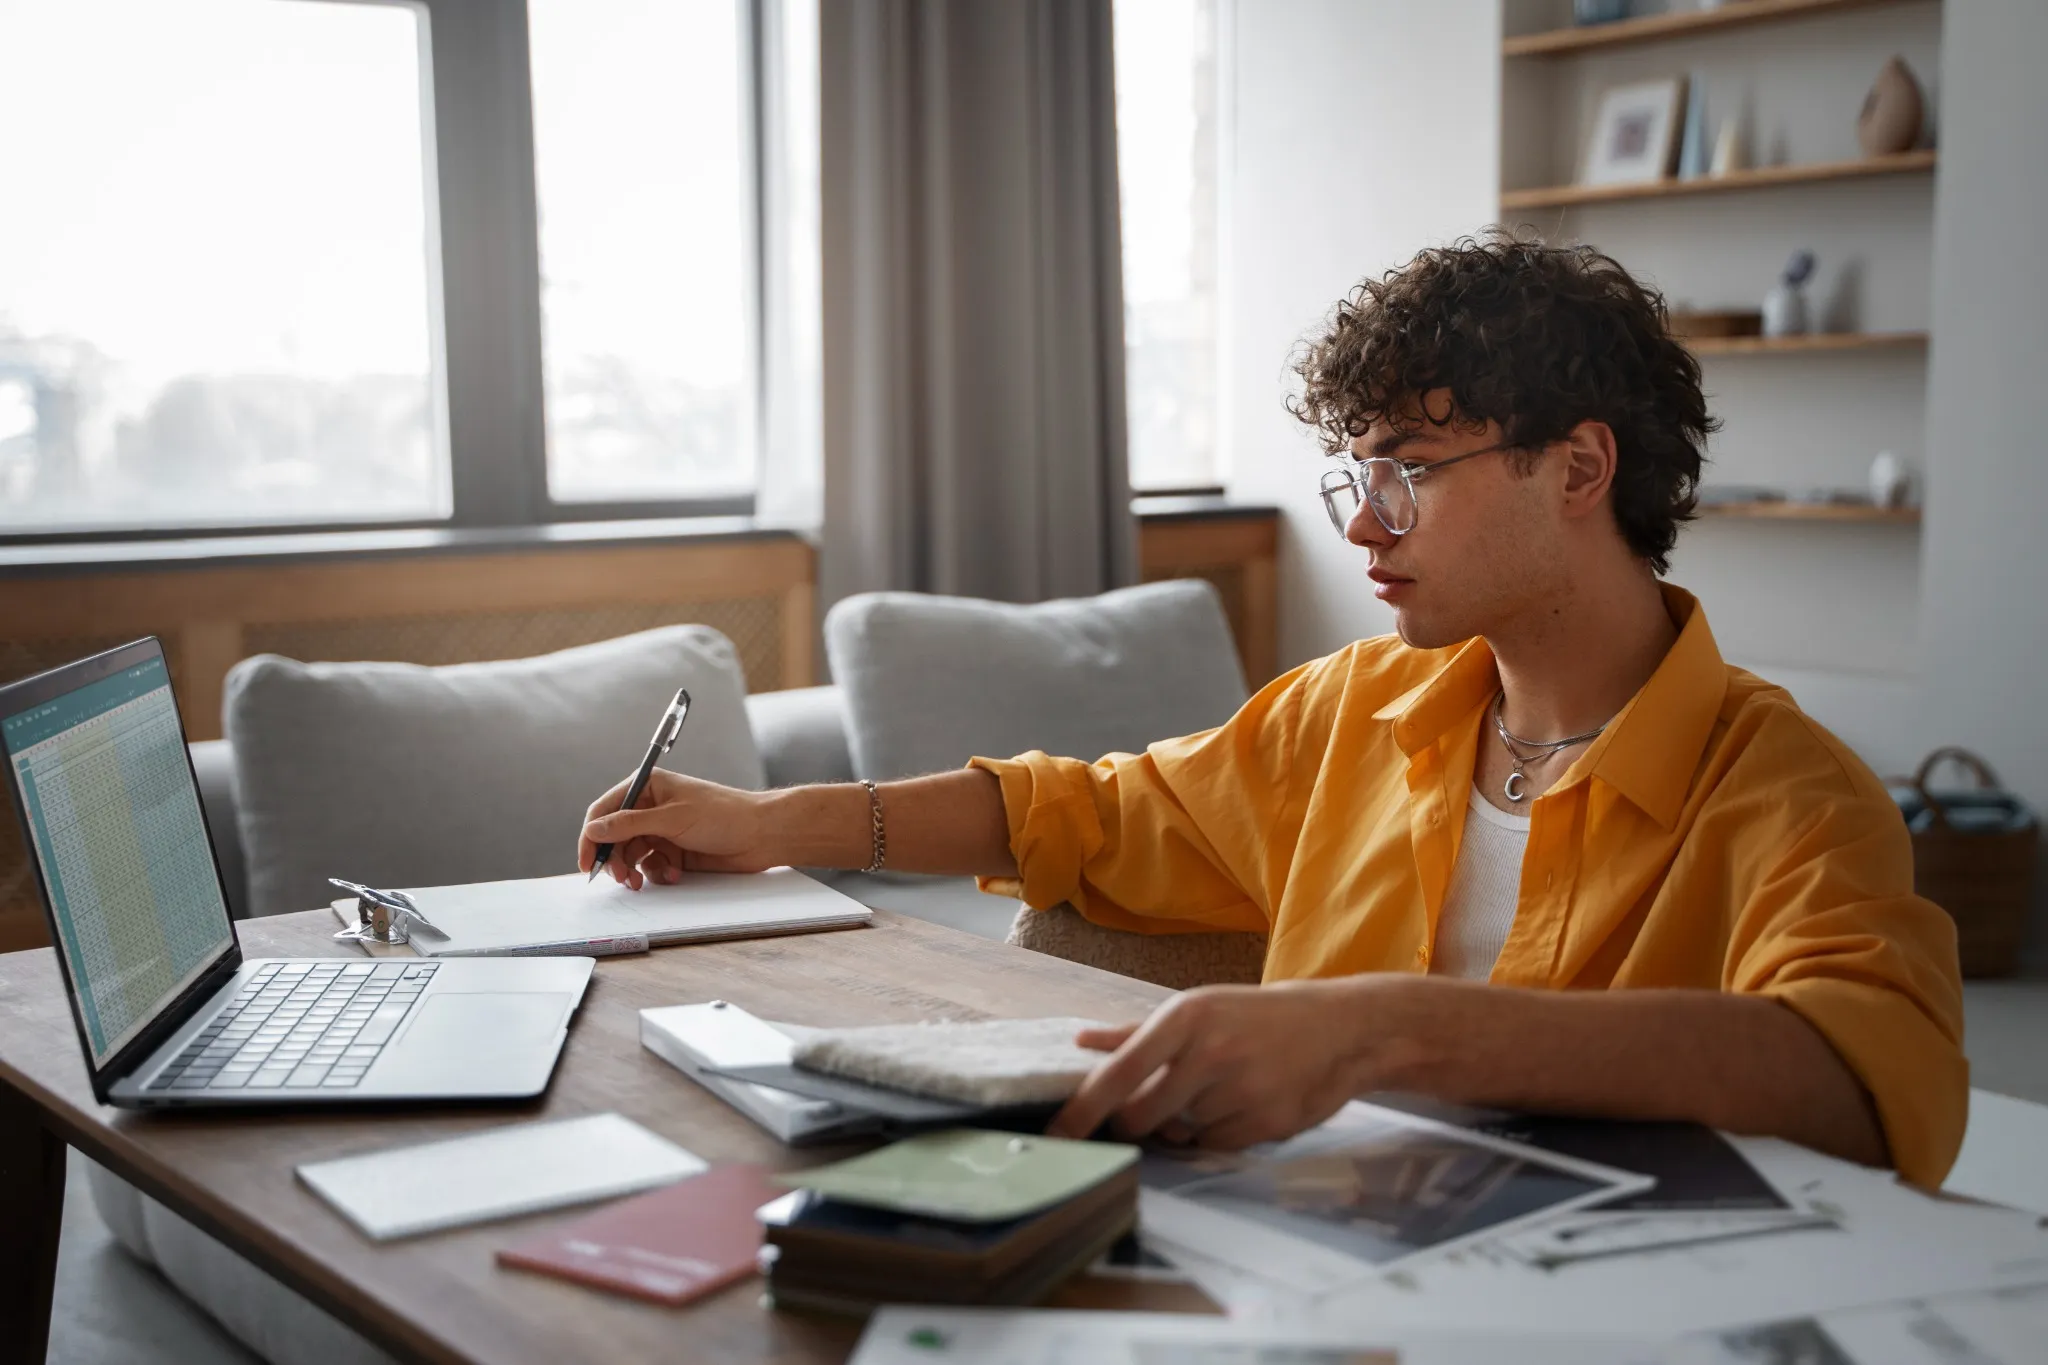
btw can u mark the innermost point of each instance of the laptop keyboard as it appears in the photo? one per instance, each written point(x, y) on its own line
point(300, 1026)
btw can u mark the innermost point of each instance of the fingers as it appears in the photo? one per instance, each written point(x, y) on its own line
point(1163, 1098)
point(615, 795)
point(1236, 1134)
point(586, 847)
point(660, 863)
point(620, 826)
point(1152, 1045)
point(1105, 1039)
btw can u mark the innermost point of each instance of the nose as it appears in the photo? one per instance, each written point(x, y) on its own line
point(1365, 531)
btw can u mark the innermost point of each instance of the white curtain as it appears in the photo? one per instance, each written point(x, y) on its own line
point(973, 424)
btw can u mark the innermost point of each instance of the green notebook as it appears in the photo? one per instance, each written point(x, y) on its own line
point(968, 1175)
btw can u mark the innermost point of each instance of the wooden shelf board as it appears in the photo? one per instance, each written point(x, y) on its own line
point(1806, 345)
point(1564, 196)
point(1558, 42)
point(1813, 511)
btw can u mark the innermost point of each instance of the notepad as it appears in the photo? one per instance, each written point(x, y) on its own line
point(485, 918)
point(968, 1174)
point(499, 1173)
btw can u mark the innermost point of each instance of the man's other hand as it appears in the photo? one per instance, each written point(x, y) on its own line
point(1229, 1066)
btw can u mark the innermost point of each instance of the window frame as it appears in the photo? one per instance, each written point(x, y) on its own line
point(484, 287)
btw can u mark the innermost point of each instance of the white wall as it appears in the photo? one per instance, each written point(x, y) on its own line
point(1365, 129)
point(1362, 130)
point(1984, 588)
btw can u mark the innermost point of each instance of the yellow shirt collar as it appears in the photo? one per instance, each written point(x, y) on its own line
point(1648, 753)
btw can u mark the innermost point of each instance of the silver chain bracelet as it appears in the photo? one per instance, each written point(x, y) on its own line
point(881, 842)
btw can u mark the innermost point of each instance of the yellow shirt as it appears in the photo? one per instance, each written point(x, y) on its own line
point(1713, 837)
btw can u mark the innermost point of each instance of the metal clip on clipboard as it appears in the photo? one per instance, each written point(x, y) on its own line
point(387, 917)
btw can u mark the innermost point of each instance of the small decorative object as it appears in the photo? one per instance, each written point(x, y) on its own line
point(1598, 11)
point(1692, 143)
point(1727, 147)
point(1635, 133)
point(1726, 322)
point(1890, 121)
point(1785, 305)
point(1889, 480)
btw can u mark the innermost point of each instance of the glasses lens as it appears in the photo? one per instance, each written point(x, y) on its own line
point(1340, 498)
point(1392, 502)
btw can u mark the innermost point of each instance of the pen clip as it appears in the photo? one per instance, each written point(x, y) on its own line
point(672, 722)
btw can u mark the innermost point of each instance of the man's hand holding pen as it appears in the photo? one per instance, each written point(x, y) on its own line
point(679, 824)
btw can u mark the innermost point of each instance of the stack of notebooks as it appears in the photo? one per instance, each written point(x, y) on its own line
point(961, 1216)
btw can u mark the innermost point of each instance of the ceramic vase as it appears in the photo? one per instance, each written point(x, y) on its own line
point(1890, 121)
point(1784, 310)
point(1889, 480)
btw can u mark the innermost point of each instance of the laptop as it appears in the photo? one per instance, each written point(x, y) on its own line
point(169, 1012)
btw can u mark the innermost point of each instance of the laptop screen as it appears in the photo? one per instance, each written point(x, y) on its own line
point(114, 816)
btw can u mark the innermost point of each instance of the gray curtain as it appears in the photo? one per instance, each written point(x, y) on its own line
point(973, 300)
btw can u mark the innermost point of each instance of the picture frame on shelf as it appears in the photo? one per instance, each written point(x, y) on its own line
point(1634, 138)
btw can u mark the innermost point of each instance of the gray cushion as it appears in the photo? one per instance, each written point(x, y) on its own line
point(929, 682)
point(399, 775)
point(802, 735)
point(213, 764)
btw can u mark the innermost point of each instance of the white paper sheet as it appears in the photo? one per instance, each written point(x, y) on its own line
point(934, 1336)
point(485, 917)
point(499, 1173)
point(2002, 1157)
point(2008, 1327)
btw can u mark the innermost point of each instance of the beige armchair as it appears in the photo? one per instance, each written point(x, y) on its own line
point(1177, 961)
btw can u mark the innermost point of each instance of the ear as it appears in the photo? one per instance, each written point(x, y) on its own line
point(1589, 467)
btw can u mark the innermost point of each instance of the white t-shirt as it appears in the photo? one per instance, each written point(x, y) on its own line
point(1479, 909)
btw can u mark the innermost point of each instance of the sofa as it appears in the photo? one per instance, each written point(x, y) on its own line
point(406, 776)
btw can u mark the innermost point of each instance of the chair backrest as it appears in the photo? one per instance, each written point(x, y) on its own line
point(1177, 961)
point(929, 682)
point(399, 775)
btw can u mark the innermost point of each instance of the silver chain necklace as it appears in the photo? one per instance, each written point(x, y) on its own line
point(1514, 788)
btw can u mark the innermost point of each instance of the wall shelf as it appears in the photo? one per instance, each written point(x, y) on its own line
point(1558, 42)
point(1807, 345)
point(1762, 177)
point(1812, 511)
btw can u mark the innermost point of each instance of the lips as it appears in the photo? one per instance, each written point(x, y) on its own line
point(1387, 585)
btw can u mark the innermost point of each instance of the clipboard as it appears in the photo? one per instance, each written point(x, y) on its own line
point(345, 914)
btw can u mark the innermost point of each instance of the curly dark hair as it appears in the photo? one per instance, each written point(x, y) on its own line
point(1537, 338)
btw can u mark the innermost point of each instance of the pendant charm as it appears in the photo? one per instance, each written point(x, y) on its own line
point(1512, 788)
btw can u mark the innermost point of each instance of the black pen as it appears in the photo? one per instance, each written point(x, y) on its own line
point(664, 737)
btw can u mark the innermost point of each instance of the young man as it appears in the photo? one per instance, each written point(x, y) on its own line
point(1543, 850)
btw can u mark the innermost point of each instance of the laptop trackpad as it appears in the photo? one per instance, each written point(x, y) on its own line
point(470, 1043)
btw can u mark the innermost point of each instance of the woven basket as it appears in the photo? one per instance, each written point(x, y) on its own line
point(1984, 878)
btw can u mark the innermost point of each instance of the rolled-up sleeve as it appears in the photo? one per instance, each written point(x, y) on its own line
point(1834, 931)
point(1188, 837)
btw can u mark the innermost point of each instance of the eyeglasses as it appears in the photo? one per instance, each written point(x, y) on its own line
point(1385, 485)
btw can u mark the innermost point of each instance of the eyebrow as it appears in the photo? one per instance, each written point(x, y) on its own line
point(1386, 443)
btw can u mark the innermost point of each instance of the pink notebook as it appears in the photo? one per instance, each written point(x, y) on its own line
point(670, 1246)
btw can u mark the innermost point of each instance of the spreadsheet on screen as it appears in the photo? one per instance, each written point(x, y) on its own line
point(115, 819)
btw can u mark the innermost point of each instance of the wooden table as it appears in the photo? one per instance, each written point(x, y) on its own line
point(441, 1297)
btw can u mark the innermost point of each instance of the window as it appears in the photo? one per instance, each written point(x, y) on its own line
point(214, 266)
point(292, 263)
point(1167, 142)
point(645, 311)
